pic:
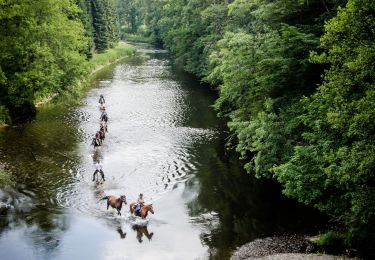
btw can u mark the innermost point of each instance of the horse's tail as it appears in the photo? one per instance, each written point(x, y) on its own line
point(104, 198)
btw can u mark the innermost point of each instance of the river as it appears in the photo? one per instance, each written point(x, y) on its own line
point(165, 141)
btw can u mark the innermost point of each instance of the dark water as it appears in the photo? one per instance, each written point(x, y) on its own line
point(164, 141)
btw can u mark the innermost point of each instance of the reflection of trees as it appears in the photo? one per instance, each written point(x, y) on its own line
point(41, 155)
point(247, 208)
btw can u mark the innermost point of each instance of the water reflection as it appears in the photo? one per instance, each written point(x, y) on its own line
point(233, 207)
point(141, 231)
point(122, 233)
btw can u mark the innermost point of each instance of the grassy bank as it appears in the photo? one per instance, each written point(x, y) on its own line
point(136, 38)
point(73, 94)
point(100, 60)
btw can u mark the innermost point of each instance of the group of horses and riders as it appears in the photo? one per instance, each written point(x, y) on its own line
point(138, 208)
point(100, 135)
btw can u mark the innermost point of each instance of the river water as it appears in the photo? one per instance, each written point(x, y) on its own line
point(165, 141)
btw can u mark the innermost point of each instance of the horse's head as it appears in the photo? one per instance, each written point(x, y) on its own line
point(151, 209)
point(123, 199)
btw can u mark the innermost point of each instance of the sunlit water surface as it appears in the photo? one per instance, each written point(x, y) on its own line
point(165, 141)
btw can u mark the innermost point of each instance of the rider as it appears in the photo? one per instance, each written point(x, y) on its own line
point(99, 169)
point(101, 99)
point(104, 117)
point(103, 127)
point(97, 137)
point(139, 205)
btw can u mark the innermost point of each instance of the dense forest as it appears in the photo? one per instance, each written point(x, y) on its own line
point(296, 82)
point(45, 46)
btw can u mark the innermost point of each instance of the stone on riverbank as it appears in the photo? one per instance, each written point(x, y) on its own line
point(280, 248)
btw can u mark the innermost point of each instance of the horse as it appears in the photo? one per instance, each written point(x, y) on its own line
point(104, 127)
point(144, 210)
point(101, 135)
point(96, 174)
point(115, 203)
point(95, 142)
point(104, 117)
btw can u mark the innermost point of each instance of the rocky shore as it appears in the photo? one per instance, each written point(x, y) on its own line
point(281, 248)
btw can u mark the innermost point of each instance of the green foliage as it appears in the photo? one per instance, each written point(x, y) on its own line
point(4, 116)
point(40, 49)
point(6, 179)
point(105, 24)
point(337, 158)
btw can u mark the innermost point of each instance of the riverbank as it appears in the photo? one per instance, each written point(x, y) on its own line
point(75, 92)
point(283, 247)
point(97, 63)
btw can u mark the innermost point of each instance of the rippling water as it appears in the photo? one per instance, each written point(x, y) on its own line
point(165, 141)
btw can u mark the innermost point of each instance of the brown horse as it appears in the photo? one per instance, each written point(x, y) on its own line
point(144, 210)
point(115, 203)
point(102, 134)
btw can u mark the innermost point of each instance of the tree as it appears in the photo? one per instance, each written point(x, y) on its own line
point(334, 167)
point(40, 51)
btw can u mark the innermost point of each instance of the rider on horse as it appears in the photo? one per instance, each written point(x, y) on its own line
point(139, 205)
point(97, 137)
point(101, 100)
point(104, 117)
point(99, 169)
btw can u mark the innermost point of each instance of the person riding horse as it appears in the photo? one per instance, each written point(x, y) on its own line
point(104, 117)
point(102, 134)
point(140, 203)
point(103, 127)
point(96, 140)
point(99, 169)
point(98, 137)
point(101, 100)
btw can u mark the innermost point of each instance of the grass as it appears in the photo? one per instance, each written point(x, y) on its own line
point(136, 38)
point(109, 56)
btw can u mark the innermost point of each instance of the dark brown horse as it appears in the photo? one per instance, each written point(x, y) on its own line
point(144, 210)
point(102, 135)
point(115, 203)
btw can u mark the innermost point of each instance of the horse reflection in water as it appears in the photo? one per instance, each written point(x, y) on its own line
point(122, 234)
point(142, 230)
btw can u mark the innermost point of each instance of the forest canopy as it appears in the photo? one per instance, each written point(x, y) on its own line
point(44, 48)
point(296, 83)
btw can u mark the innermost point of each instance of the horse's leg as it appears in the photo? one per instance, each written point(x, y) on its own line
point(93, 176)
point(107, 204)
point(102, 174)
